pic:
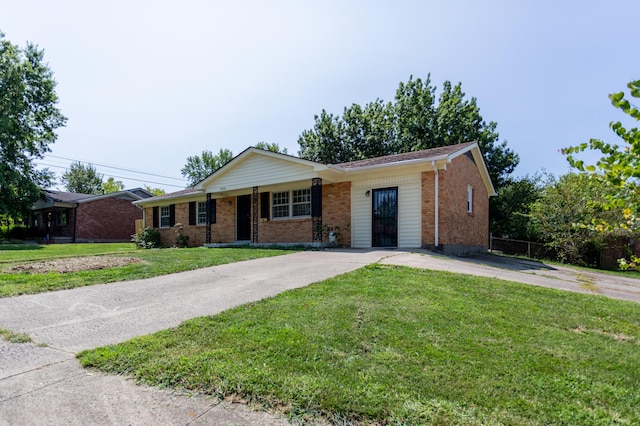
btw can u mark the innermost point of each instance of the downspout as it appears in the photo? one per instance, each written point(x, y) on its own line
point(437, 205)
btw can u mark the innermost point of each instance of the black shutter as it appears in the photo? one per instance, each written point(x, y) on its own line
point(172, 214)
point(265, 198)
point(212, 211)
point(316, 198)
point(192, 213)
point(156, 217)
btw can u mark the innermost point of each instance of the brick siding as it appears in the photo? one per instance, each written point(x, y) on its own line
point(457, 228)
point(108, 219)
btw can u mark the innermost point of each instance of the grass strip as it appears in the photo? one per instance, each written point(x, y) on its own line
point(153, 263)
point(395, 345)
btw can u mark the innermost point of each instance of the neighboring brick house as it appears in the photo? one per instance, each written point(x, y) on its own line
point(65, 217)
point(436, 198)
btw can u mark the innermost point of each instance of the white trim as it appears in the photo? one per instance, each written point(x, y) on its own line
point(469, 199)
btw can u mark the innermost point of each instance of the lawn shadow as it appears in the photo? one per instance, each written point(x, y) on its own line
point(21, 246)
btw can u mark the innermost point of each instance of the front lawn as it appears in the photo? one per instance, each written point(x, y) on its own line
point(147, 263)
point(395, 345)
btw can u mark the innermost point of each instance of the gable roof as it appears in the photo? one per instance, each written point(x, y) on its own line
point(256, 159)
point(51, 198)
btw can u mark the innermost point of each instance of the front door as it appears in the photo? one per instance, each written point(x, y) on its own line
point(243, 218)
point(385, 217)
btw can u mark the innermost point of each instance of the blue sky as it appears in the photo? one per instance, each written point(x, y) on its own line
point(145, 84)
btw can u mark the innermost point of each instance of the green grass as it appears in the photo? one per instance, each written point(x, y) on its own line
point(154, 262)
point(394, 345)
point(13, 337)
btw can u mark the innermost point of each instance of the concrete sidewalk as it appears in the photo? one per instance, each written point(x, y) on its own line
point(45, 385)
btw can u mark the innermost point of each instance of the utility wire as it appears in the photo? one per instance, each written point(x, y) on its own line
point(121, 177)
point(115, 167)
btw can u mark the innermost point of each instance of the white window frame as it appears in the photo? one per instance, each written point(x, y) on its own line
point(469, 199)
point(291, 195)
point(165, 216)
point(201, 213)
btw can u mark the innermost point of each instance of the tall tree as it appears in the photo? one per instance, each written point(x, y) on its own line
point(112, 185)
point(619, 164)
point(28, 120)
point(412, 122)
point(82, 179)
point(199, 167)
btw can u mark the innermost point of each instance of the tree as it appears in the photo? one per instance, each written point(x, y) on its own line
point(619, 164)
point(566, 203)
point(112, 185)
point(82, 179)
point(154, 191)
point(273, 147)
point(412, 122)
point(199, 167)
point(28, 120)
point(509, 210)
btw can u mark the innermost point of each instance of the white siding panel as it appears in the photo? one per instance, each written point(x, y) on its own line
point(409, 215)
point(409, 211)
point(260, 170)
point(360, 218)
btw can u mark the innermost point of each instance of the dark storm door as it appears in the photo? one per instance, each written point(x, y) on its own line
point(385, 218)
point(243, 218)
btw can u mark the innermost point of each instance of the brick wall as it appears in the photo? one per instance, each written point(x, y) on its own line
point(457, 227)
point(428, 208)
point(336, 209)
point(108, 219)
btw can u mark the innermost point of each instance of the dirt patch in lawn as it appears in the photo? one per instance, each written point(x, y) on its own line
point(73, 264)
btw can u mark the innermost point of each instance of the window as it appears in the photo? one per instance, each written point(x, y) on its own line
point(61, 217)
point(301, 202)
point(202, 213)
point(280, 204)
point(165, 217)
point(469, 199)
point(296, 203)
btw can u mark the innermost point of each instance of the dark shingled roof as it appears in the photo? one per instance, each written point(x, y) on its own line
point(416, 155)
point(186, 191)
point(67, 197)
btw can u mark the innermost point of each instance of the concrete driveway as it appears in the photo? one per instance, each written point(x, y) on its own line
point(45, 385)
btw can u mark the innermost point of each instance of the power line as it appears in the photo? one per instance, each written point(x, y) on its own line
point(116, 168)
point(122, 177)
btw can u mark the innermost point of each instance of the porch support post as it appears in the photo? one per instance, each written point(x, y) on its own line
point(316, 209)
point(208, 227)
point(255, 216)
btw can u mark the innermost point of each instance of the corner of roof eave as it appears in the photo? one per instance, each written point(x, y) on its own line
point(479, 159)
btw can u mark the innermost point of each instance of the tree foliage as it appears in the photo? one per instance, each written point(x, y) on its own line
point(563, 208)
point(414, 121)
point(509, 210)
point(112, 185)
point(28, 120)
point(154, 191)
point(199, 167)
point(619, 164)
point(273, 147)
point(82, 179)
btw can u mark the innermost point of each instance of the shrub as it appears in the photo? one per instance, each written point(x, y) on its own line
point(182, 240)
point(148, 238)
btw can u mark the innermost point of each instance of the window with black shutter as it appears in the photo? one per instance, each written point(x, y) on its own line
point(212, 210)
point(156, 217)
point(172, 215)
